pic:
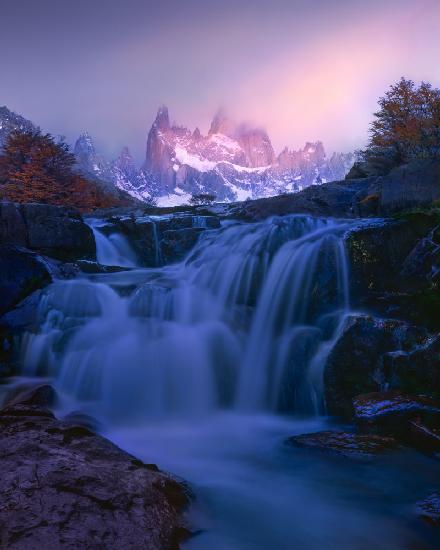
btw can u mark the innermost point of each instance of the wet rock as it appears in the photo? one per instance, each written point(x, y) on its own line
point(423, 262)
point(64, 487)
point(42, 395)
point(348, 445)
point(88, 266)
point(80, 419)
point(423, 437)
point(21, 273)
point(417, 371)
point(175, 244)
point(391, 411)
point(356, 363)
point(55, 231)
point(58, 232)
point(377, 252)
point(429, 509)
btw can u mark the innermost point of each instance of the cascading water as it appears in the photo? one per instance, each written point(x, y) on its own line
point(113, 249)
point(239, 324)
point(195, 365)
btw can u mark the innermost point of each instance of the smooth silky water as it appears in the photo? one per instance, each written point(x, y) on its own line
point(205, 367)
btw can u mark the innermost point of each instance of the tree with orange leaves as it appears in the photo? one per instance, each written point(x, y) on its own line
point(36, 168)
point(406, 127)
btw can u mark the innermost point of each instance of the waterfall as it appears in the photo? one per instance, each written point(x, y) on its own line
point(157, 251)
point(113, 249)
point(245, 322)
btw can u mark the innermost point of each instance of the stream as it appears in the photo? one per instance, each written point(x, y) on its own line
point(205, 367)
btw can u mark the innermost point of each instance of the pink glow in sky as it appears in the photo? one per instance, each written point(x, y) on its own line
point(304, 70)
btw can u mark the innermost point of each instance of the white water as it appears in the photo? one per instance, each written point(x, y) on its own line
point(192, 365)
point(113, 249)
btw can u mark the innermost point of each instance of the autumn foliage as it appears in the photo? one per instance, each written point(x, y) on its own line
point(36, 168)
point(406, 126)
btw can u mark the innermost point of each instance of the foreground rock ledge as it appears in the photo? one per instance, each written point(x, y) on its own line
point(62, 486)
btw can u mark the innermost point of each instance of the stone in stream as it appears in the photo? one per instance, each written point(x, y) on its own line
point(379, 406)
point(415, 420)
point(356, 363)
point(62, 486)
point(345, 444)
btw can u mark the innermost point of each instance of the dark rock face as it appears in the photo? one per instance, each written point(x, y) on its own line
point(78, 490)
point(383, 255)
point(424, 437)
point(394, 268)
point(175, 244)
point(391, 409)
point(21, 273)
point(410, 186)
point(55, 231)
point(412, 419)
point(58, 232)
point(357, 362)
point(348, 445)
point(417, 371)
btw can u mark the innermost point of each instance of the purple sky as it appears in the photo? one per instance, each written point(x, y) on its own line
point(304, 69)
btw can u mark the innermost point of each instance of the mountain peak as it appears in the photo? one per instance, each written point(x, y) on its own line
point(84, 144)
point(222, 124)
point(162, 121)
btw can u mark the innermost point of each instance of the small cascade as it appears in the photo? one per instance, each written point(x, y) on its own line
point(157, 251)
point(113, 249)
point(245, 322)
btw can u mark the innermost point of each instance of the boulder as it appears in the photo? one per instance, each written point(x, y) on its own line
point(416, 371)
point(413, 185)
point(345, 444)
point(55, 231)
point(391, 411)
point(378, 251)
point(356, 363)
point(22, 272)
point(62, 486)
point(58, 232)
point(423, 437)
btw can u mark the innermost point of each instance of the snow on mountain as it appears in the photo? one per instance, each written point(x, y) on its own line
point(234, 162)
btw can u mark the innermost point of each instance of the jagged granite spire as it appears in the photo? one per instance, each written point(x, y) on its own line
point(162, 121)
point(222, 124)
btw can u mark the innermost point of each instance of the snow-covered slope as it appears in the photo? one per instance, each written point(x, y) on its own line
point(233, 162)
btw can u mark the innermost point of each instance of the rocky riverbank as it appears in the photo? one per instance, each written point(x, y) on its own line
point(382, 375)
point(62, 486)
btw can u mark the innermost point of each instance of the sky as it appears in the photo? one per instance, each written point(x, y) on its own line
point(303, 69)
